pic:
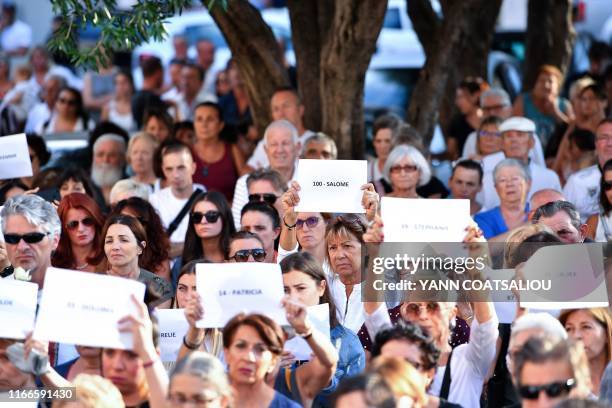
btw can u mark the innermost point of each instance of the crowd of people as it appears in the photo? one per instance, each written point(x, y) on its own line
point(174, 175)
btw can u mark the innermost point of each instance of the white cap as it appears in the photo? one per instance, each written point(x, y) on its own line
point(517, 123)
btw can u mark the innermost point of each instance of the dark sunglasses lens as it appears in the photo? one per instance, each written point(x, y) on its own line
point(241, 256)
point(212, 216)
point(72, 225)
point(269, 198)
point(196, 217)
point(529, 392)
point(33, 237)
point(11, 238)
point(88, 222)
point(554, 390)
point(258, 254)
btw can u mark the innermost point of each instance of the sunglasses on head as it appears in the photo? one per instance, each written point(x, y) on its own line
point(267, 197)
point(243, 255)
point(607, 185)
point(87, 222)
point(211, 216)
point(310, 222)
point(29, 238)
point(552, 390)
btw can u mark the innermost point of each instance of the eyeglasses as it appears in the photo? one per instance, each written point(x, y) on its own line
point(267, 197)
point(601, 138)
point(29, 238)
point(485, 133)
point(87, 222)
point(415, 308)
point(211, 216)
point(69, 102)
point(493, 107)
point(310, 222)
point(607, 185)
point(552, 390)
point(408, 168)
point(243, 255)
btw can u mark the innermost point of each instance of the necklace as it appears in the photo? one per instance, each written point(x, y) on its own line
point(81, 267)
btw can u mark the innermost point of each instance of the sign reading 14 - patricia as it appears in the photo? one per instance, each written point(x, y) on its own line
point(332, 186)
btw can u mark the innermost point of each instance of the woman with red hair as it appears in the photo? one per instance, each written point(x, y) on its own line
point(80, 245)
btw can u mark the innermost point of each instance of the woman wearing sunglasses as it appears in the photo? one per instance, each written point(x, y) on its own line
point(261, 219)
point(157, 259)
point(210, 227)
point(125, 243)
point(304, 281)
point(80, 245)
point(600, 225)
point(69, 114)
point(244, 246)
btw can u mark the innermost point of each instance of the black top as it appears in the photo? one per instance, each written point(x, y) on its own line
point(459, 129)
point(143, 100)
point(158, 290)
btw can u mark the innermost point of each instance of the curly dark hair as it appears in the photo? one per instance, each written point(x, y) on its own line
point(411, 333)
point(158, 245)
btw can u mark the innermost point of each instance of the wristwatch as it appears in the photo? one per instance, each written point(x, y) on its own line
point(7, 271)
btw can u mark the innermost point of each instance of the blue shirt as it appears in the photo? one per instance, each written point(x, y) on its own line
point(492, 222)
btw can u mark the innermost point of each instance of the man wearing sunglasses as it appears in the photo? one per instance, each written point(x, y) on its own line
point(31, 229)
point(266, 185)
point(549, 370)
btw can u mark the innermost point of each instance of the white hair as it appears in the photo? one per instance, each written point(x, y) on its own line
point(129, 186)
point(282, 124)
point(525, 172)
point(414, 155)
point(109, 137)
point(34, 209)
point(539, 321)
point(496, 93)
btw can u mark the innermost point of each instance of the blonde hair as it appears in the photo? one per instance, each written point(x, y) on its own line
point(517, 236)
point(93, 391)
point(401, 378)
point(135, 138)
point(602, 316)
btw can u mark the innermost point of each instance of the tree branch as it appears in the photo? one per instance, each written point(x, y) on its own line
point(425, 22)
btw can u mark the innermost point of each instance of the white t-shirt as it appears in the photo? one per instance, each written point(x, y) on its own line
point(582, 190)
point(168, 207)
point(541, 178)
point(37, 117)
point(259, 158)
point(16, 36)
point(536, 154)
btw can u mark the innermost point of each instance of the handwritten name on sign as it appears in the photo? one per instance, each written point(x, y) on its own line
point(331, 185)
point(96, 302)
point(232, 288)
point(17, 308)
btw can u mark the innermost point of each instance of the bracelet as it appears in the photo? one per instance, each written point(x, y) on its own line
point(190, 346)
point(149, 363)
point(306, 335)
point(287, 225)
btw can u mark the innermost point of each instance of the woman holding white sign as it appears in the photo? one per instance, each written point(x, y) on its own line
point(125, 241)
point(305, 282)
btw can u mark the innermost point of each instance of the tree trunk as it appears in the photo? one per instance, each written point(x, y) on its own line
point(256, 53)
point(550, 37)
point(461, 42)
point(345, 56)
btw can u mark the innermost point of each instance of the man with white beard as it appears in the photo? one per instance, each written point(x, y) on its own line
point(108, 163)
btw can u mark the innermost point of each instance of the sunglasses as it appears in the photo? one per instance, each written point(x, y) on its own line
point(243, 255)
point(29, 238)
point(267, 197)
point(211, 216)
point(409, 168)
point(87, 222)
point(310, 222)
point(552, 390)
point(69, 102)
point(415, 308)
point(607, 185)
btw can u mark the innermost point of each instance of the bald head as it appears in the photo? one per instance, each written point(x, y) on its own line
point(542, 197)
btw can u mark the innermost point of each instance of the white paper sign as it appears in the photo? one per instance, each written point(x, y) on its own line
point(83, 308)
point(576, 276)
point(504, 300)
point(332, 186)
point(17, 308)
point(319, 317)
point(172, 328)
point(14, 157)
point(231, 288)
point(425, 220)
